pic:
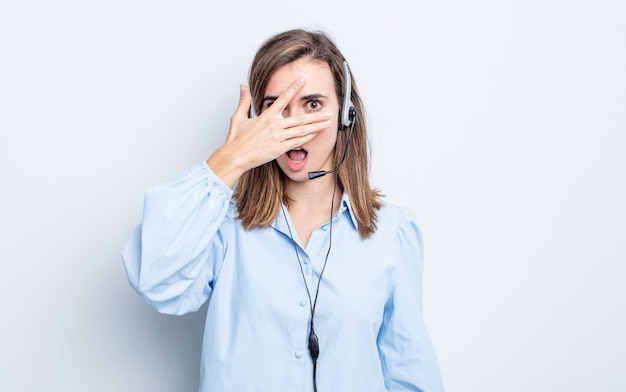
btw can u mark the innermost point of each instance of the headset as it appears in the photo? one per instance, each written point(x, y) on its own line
point(347, 118)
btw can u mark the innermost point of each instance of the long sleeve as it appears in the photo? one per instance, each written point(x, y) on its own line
point(407, 355)
point(174, 256)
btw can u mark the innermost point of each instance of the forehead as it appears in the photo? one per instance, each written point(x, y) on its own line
point(319, 78)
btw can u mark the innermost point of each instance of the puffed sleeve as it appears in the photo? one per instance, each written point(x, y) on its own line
point(408, 358)
point(174, 256)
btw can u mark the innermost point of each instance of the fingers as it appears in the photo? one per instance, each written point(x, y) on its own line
point(244, 102)
point(283, 99)
point(297, 142)
point(301, 134)
point(304, 119)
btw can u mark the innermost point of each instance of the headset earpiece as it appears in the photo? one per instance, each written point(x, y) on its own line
point(347, 113)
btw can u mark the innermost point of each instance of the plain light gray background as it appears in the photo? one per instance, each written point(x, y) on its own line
point(500, 123)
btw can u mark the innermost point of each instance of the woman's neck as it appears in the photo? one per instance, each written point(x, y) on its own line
point(313, 195)
point(310, 204)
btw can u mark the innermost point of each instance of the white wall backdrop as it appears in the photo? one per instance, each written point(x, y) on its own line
point(501, 123)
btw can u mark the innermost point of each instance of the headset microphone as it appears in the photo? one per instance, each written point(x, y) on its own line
point(347, 118)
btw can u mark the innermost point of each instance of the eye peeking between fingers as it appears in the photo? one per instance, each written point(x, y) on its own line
point(310, 103)
point(313, 105)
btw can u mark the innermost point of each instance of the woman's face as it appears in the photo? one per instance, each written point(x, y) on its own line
point(317, 95)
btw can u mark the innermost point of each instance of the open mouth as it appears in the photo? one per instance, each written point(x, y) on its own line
point(297, 154)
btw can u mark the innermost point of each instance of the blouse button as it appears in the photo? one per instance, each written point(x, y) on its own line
point(303, 302)
point(298, 354)
point(325, 227)
point(305, 260)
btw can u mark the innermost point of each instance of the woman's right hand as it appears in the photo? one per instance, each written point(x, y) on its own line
point(252, 142)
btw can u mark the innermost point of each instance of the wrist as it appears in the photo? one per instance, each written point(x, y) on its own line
point(226, 166)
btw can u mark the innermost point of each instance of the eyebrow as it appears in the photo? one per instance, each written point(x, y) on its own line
point(271, 98)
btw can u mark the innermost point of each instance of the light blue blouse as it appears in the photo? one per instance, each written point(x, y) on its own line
point(191, 248)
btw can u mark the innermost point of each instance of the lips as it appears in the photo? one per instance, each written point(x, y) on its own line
point(297, 154)
point(296, 159)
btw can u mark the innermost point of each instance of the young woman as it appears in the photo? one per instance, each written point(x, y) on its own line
point(314, 283)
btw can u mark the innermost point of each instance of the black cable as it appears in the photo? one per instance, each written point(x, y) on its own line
point(313, 339)
point(317, 174)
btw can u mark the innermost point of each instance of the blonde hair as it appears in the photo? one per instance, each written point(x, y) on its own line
point(261, 190)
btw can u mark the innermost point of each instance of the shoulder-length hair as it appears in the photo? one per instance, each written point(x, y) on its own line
point(260, 190)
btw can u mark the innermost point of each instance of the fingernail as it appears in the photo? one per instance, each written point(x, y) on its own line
point(328, 114)
point(301, 80)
